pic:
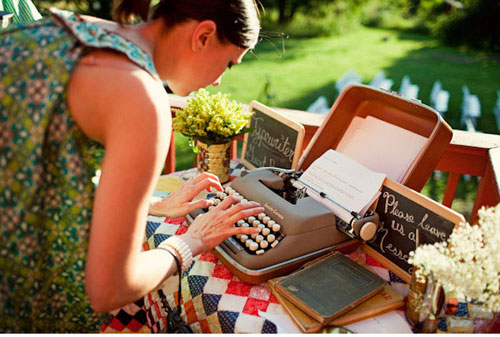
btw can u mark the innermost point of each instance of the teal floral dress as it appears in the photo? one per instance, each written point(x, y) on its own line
point(46, 167)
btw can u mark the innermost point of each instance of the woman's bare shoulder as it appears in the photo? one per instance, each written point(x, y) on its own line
point(106, 86)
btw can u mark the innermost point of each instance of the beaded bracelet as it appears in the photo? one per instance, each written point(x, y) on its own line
point(181, 249)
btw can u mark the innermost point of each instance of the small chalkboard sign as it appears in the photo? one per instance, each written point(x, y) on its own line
point(402, 212)
point(275, 141)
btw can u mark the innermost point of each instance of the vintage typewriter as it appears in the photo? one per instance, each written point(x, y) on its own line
point(295, 227)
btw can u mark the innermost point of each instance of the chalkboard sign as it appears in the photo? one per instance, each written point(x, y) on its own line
point(402, 211)
point(275, 141)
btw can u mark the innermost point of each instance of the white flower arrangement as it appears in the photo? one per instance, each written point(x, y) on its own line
point(468, 264)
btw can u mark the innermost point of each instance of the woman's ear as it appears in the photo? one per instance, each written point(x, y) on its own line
point(203, 32)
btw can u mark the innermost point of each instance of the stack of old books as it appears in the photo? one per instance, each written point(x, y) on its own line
point(333, 291)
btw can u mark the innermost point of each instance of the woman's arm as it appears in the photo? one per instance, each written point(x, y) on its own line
point(129, 113)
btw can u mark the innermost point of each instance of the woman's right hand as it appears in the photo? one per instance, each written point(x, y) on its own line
point(217, 225)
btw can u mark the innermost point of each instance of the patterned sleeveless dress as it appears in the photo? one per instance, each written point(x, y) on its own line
point(46, 167)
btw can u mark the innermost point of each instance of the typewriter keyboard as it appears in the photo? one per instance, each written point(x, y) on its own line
point(257, 244)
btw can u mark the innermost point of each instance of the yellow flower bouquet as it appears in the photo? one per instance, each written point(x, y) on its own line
point(211, 119)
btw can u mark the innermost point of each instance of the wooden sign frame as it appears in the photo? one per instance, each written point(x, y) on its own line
point(299, 128)
point(423, 201)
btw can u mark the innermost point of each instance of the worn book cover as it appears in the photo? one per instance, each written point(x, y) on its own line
point(329, 288)
point(384, 301)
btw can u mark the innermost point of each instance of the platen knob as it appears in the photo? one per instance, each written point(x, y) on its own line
point(368, 231)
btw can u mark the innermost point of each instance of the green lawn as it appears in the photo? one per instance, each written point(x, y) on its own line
point(300, 70)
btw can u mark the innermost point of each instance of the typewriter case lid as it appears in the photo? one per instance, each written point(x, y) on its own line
point(362, 101)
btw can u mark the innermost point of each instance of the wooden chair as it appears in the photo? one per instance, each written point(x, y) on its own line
point(471, 109)
point(439, 98)
point(349, 77)
point(407, 89)
point(379, 81)
point(320, 105)
point(496, 111)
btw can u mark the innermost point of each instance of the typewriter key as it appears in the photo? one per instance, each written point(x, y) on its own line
point(264, 244)
point(276, 227)
point(256, 223)
point(271, 238)
point(240, 222)
point(260, 252)
point(261, 226)
point(259, 238)
point(248, 242)
point(271, 223)
point(266, 231)
point(266, 219)
point(254, 235)
point(254, 246)
point(274, 244)
point(243, 238)
point(251, 219)
point(261, 216)
point(245, 225)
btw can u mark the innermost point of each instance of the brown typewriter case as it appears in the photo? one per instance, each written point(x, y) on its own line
point(412, 115)
point(363, 101)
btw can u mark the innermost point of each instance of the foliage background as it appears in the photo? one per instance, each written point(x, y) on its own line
point(306, 46)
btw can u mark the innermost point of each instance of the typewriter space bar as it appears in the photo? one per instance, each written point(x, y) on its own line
point(232, 244)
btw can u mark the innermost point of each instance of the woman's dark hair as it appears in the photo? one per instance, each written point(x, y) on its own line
point(237, 20)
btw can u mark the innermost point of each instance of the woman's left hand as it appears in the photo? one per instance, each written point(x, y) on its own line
point(180, 202)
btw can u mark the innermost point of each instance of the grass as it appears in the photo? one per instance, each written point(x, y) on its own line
point(300, 70)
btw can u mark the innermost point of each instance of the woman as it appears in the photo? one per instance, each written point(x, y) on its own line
point(70, 83)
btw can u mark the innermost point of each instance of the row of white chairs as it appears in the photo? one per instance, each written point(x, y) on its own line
point(439, 98)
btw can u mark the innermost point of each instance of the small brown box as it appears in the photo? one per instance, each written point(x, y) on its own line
point(363, 101)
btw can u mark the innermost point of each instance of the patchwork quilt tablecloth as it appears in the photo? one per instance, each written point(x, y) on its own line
point(213, 299)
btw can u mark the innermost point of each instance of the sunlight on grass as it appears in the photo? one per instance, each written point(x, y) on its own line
point(308, 68)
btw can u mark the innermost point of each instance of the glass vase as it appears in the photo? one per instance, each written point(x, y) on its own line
point(214, 158)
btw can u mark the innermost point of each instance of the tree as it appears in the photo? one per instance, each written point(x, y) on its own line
point(99, 8)
point(288, 8)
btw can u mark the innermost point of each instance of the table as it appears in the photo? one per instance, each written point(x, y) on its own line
point(216, 301)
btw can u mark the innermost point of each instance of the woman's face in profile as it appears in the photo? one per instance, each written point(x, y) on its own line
point(197, 64)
